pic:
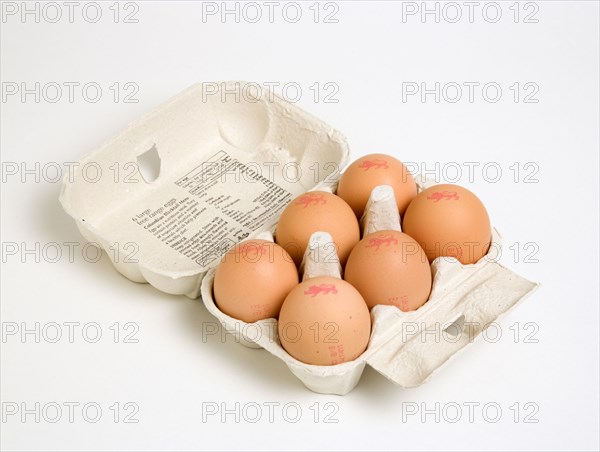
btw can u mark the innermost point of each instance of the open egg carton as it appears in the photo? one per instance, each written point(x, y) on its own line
point(229, 157)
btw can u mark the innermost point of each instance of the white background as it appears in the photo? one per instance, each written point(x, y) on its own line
point(367, 54)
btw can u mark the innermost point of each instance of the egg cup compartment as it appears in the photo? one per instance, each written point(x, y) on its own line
point(335, 379)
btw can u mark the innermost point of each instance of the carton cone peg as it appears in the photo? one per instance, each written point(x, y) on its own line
point(320, 257)
point(381, 212)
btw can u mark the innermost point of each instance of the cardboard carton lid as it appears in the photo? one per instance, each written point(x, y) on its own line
point(229, 157)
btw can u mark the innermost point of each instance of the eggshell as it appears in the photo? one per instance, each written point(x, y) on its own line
point(317, 211)
point(389, 267)
point(324, 321)
point(449, 220)
point(253, 279)
point(366, 173)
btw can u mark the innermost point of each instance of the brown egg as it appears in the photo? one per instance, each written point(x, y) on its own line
point(448, 220)
point(389, 267)
point(324, 321)
point(317, 211)
point(253, 279)
point(366, 173)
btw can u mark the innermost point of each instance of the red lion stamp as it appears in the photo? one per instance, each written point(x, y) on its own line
point(375, 163)
point(446, 194)
point(311, 199)
point(325, 289)
point(252, 249)
point(385, 239)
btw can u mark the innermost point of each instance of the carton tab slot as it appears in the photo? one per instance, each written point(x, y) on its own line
point(457, 327)
point(149, 164)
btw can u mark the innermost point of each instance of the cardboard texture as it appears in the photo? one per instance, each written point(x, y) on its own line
point(229, 157)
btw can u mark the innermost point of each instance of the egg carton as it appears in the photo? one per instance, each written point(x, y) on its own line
point(221, 151)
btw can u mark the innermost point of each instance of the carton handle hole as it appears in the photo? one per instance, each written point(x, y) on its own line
point(149, 164)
